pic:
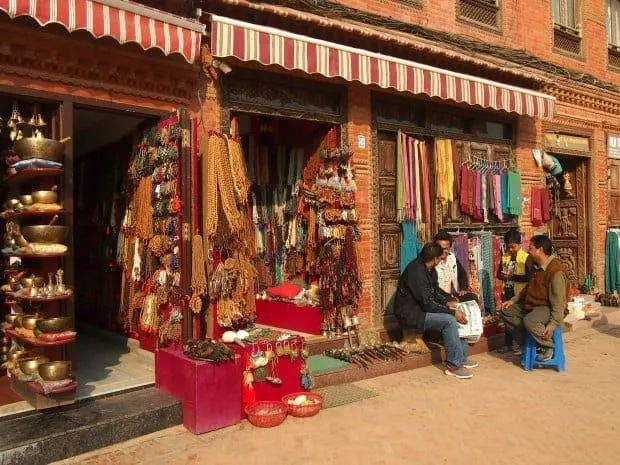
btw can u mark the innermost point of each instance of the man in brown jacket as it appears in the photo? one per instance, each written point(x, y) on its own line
point(541, 306)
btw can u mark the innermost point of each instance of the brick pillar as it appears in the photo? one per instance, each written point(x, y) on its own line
point(360, 125)
point(596, 189)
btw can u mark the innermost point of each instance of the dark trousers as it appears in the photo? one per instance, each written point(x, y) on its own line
point(509, 293)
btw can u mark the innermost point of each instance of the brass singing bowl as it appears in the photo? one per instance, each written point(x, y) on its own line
point(26, 199)
point(47, 197)
point(54, 371)
point(47, 149)
point(29, 366)
point(44, 234)
point(29, 321)
point(53, 325)
point(19, 354)
point(31, 281)
point(10, 318)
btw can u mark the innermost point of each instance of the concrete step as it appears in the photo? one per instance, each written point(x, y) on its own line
point(44, 437)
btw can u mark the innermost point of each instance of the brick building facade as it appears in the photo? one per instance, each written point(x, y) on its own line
point(513, 43)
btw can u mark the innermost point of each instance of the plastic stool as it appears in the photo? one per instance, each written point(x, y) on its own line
point(528, 359)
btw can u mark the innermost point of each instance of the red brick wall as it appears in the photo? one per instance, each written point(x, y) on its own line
point(525, 25)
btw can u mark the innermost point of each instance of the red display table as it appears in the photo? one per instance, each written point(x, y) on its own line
point(289, 316)
point(210, 393)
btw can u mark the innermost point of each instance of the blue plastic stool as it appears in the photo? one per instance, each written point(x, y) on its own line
point(528, 359)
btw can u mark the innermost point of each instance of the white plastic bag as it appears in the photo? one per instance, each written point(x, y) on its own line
point(473, 329)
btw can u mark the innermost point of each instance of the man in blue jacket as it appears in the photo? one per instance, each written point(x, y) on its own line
point(420, 305)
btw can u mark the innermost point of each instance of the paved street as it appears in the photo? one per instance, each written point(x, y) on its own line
point(501, 416)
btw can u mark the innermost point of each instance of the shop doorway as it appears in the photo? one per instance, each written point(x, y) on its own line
point(106, 359)
point(569, 223)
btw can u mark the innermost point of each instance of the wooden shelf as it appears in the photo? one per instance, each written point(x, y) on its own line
point(36, 255)
point(33, 173)
point(35, 342)
point(39, 300)
point(33, 214)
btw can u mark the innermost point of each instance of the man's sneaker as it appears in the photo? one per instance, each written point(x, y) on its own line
point(460, 373)
point(545, 355)
point(468, 363)
point(517, 351)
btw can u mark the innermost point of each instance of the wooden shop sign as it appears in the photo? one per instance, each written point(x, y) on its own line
point(564, 142)
point(613, 146)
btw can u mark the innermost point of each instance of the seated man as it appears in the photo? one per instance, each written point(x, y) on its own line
point(420, 305)
point(449, 274)
point(514, 270)
point(541, 306)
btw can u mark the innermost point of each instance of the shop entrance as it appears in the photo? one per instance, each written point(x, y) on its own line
point(569, 221)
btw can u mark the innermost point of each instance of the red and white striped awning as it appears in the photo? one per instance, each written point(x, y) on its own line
point(122, 20)
point(267, 45)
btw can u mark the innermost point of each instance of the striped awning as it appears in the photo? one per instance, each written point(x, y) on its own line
point(122, 20)
point(269, 46)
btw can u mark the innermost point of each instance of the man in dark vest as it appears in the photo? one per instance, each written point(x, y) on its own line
point(540, 307)
point(420, 305)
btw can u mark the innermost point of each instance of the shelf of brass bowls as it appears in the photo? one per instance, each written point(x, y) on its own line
point(33, 214)
point(39, 300)
point(33, 173)
point(36, 342)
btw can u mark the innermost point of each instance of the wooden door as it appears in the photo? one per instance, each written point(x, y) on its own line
point(389, 232)
point(613, 191)
point(568, 226)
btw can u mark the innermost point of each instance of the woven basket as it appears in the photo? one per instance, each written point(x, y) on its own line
point(266, 413)
point(304, 410)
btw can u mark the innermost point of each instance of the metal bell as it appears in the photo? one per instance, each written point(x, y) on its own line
point(40, 121)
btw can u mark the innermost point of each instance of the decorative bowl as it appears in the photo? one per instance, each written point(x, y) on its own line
point(34, 147)
point(29, 321)
point(12, 203)
point(53, 325)
point(10, 318)
point(44, 196)
point(55, 371)
point(31, 281)
point(44, 234)
point(26, 199)
point(18, 354)
point(29, 366)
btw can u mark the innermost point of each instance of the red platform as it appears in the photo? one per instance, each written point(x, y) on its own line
point(289, 316)
point(286, 369)
point(211, 393)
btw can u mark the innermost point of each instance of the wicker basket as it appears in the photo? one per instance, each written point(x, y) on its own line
point(266, 413)
point(304, 410)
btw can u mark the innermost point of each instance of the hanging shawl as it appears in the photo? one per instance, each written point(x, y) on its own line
point(414, 179)
point(426, 186)
point(483, 197)
point(400, 177)
point(504, 187)
point(464, 189)
point(514, 193)
point(409, 207)
point(410, 247)
point(418, 177)
point(497, 196)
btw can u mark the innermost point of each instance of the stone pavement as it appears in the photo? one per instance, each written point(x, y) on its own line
point(501, 416)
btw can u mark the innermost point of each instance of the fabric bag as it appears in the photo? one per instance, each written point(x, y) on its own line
point(473, 329)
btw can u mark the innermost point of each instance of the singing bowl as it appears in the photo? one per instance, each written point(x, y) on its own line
point(19, 354)
point(29, 366)
point(29, 321)
point(47, 149)
point(44, 234)
point(26, 199)
point(54, 371)
point(10, 318)
point(44, 196)
point(53, 325)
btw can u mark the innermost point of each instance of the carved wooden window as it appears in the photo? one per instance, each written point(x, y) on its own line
point(567, 26)
point(613, 33)
point(413, 3)
point(484, 13)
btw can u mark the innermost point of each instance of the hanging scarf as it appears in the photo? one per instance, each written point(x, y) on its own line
point(409, 181)
point(464, 189)
point(413, 177)
point(426, 187)
point(514, 193)
point(497, 196)
point(505, 204)
point(400, 177)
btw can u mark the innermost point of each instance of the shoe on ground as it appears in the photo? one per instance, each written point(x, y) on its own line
point(517, 351)
point(545, 355)
point(504, 350)
point(469, 363)
point(460, 373)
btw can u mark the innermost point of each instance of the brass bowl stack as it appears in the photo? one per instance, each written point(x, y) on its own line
point(29, 366)
point(55, 371)
point(44, 234)
point(10, 318)
point(53, 325)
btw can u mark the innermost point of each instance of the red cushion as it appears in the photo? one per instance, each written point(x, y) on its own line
point(285, 290)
